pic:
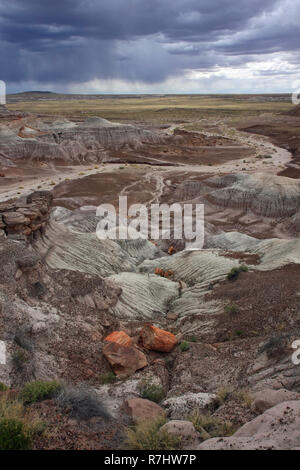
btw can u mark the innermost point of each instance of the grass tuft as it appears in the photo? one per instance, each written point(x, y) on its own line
point(33, 392)
point(148, 436)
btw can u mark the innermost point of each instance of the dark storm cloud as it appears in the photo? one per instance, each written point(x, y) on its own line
point(67, 41)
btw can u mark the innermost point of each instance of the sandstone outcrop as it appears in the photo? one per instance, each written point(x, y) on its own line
point(265, 399)
point(276, 429)
point(262, 194)
point(70, 142)
point(27, 218)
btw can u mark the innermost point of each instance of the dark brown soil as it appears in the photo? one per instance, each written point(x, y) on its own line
point(290, 173)
point(266, 303)
point(283, 130)
point(104, 188)
point(65, 433)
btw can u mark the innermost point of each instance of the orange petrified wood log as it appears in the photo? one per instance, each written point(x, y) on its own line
point(155, 339)
point(120, 337)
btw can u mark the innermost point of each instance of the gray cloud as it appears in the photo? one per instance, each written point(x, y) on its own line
point(74, 41)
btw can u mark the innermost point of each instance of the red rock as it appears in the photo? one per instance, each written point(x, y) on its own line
point(120, 337)
point(162, 273)
point(124, 360)
point(159, 272)
point(155, 339)
point(171, 250)
point(168, 274)
point(141, 409)
point(27, 231)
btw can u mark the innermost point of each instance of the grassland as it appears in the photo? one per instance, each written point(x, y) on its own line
point(155, 109)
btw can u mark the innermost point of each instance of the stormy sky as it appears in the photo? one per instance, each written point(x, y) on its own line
point(150, 46)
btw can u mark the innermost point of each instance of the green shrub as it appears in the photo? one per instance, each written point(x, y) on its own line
point(148, 436)
point(17, 429)
point(230, 308)
point(38, 391)
point(108, 378)
point(3, 387)
point(184, 346)
point(234, 272)
point(13, 435)
point(239, 333)
point(152, 392)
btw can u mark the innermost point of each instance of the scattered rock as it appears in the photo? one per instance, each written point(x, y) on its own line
point(124, 360)
point(40, 197)
point(155, 339)
point(141, 409)
point(26, 218)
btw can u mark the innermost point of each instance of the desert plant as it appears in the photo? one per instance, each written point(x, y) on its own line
point(108, 378)
point(152, 392)
point(234, 272)
point(3, 387)
point(223, 393)
point(38, 391)
point(83, 402)
point(184, 346)
point(209, 426)
point(147, 435)
point(13, 435)
point(245, 397)
point(231, 309)
point(239, 333)
point(16, 429)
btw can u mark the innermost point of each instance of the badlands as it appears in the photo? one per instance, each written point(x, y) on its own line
point(142, 344)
